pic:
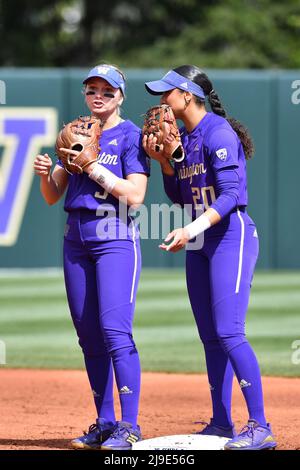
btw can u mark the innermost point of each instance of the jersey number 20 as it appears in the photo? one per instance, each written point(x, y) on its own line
point(206, 194)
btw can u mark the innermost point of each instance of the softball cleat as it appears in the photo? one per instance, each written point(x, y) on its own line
point(215, 430)
point(123, 437)
point(253, 437)
point(97, 433)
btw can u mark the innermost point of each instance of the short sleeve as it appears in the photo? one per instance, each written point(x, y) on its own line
point(223, 149)
point(135, 159)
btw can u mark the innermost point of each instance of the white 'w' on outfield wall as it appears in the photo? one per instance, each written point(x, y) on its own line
point(2, 352)
point(2, 92)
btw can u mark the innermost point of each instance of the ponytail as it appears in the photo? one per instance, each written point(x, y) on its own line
point(215, 104)
point(200, 78)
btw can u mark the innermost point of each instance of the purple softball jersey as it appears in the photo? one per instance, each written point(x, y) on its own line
point(122, 154)
point(211, 147)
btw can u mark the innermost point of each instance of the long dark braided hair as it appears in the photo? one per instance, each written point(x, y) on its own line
point(196, 75)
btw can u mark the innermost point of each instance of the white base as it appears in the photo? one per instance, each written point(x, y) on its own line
point(182, 442)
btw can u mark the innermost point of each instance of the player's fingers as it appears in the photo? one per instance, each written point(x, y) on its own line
point(40, 168)
point(41, 165)
point(48, 158)
point(162, 246)
point(152, 143)
point(43, 159)
point(155, 146)
point(177, 243)
point(41, 171)
point(145, 141)
point(176, 249)
point(148, 139)
point(172, 245)
point(69, 151)
point(65, 151)
point(46, 163)
point(170, 236)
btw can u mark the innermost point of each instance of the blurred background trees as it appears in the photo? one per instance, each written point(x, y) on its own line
point(156, 33)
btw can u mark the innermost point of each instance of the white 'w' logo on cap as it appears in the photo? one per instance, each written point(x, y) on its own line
point(103, 70)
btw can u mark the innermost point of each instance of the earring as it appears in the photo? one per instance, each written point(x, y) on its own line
point(187, 102)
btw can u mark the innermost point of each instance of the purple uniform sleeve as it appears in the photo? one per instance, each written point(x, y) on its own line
point(135, 159)
point(172, 189)
point(223, 148)
point(227, 185)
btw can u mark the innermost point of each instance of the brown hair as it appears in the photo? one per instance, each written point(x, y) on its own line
point(197, 76)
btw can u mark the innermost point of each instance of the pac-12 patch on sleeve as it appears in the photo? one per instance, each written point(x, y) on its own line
point(222, 154)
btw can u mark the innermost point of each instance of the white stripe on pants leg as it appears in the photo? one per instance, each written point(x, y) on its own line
point(241, 252)
point(135, 259)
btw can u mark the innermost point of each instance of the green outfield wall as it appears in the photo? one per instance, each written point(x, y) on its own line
point(35, 102)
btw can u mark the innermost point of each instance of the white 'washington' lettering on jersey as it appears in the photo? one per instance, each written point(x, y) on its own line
point(190, 171)
point(108, 159)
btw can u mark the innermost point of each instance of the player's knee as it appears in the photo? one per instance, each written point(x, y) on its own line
point(116, 340)
point(92, 348)
point(231, 341)
point(211, 343)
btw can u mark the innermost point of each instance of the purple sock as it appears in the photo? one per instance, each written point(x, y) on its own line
point(100, 373)
point(247, 371)
point(220, 376)
point(128, 377)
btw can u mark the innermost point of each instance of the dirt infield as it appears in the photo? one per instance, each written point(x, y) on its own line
point(45, 409)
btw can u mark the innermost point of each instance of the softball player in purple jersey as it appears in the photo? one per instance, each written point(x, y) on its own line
point(102, 258)
point(212, 178)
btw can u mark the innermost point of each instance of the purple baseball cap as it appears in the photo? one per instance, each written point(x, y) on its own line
point(108, 73)
point(173, 80)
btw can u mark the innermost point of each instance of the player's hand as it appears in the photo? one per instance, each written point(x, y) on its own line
point(88, 169)
point(42, 165)
point(154, 150)
point(180, 238)
point(69, 152)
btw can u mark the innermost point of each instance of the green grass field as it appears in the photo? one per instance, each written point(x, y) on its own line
point(36, 329)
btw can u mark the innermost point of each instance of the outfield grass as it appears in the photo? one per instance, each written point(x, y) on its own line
point(37, 331)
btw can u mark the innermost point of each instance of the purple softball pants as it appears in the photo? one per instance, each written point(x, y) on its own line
point(219, 280)
point(101, 280)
